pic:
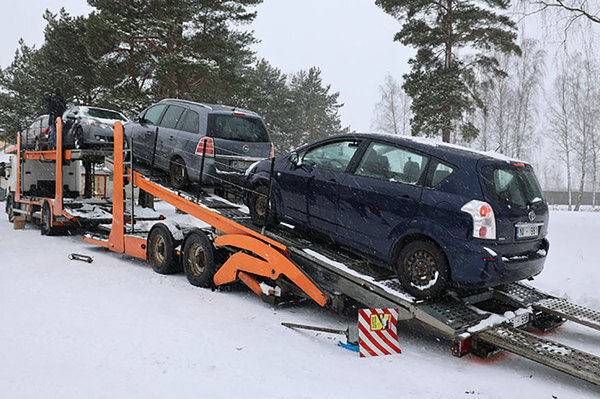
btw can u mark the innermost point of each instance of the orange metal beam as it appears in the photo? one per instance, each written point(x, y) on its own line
point(18, 188)
point(49, 155)
point(12, 149)
point(100, 243)
point(272, 265)
point(58, 193)
point(116, 238)
point(250, 282)
point(219, 222)
point(135, 246)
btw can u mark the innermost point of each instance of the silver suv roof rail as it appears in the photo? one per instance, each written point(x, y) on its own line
point(188, 102)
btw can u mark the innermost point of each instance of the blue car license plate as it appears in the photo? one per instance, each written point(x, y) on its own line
point(527, 231)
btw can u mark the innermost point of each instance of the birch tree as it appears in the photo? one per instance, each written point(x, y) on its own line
point(510, 102)
point(392, 112)
point(561, 124)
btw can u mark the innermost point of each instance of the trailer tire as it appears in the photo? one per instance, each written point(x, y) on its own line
point(198, 259)
point(46, 220)
point(423, 269)
point(258, 207)
point(10, 207)
point(161, 250)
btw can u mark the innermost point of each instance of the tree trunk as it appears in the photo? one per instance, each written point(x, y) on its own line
point(446, 131)
point(569, 188)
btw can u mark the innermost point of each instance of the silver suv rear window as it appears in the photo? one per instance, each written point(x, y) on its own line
point(235, 127)
point(514, 185)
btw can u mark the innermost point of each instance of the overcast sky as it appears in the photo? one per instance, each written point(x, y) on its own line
point(350, 40)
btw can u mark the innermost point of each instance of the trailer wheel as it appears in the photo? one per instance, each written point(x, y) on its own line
point(161, 250)
point(46, 220)
point(10, 207)
point(178, 176)
point(198, 258)
point(423, 269)
point(258, 207)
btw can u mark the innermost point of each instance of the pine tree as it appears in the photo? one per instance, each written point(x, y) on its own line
point(441, 81)
point(266, 92)
point(67, 61)
point(174, 48)
point(297, 109)
point(315, 111)
point(22, 96)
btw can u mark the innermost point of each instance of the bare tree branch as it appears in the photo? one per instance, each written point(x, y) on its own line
point(579, 9)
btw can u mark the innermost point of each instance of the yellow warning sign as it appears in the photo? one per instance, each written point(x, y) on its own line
point(380, 321)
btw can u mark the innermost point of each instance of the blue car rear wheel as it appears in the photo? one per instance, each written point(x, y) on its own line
point(423, 269)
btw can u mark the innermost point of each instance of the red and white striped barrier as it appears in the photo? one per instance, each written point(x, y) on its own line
point(377, 332)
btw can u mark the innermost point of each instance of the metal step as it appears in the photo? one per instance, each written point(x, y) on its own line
point(519, 294)
point(570, 311)
point(549, 353)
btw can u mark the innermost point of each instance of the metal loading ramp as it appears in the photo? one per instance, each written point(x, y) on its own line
point(549, 353)
point(570, 311)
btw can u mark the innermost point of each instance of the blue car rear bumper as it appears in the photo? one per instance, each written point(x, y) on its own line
point(481, 264)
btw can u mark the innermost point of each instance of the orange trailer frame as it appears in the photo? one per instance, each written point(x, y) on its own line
point(57, 155)
point(271, 258)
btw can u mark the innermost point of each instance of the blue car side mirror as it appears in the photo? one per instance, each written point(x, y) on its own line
point(295, 159)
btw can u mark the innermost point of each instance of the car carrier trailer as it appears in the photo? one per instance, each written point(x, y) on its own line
point(481, 322)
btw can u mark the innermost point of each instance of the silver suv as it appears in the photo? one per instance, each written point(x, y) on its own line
point(174, 134)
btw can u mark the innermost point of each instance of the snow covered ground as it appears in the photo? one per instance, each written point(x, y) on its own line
point(114, 328)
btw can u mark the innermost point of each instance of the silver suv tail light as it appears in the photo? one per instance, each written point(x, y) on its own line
point(484, 221)
point(210, 147)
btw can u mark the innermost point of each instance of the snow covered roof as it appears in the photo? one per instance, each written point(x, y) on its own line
point(438, 143)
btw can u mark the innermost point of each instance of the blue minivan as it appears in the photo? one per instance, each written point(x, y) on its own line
point(439, 215)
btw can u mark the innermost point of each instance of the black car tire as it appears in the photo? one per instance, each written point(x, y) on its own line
point(161, 250)
point(78, 139)
point(418, 263)
point(178, 175)
point(258, 206)
point(46, 220)
point(198, 259)
point(9, 207)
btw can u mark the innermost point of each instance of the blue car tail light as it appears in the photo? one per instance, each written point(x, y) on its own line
point(484, 220)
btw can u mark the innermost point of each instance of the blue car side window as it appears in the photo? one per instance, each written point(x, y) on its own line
point(441, 173)
point(388, 162)
point(333, 156)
